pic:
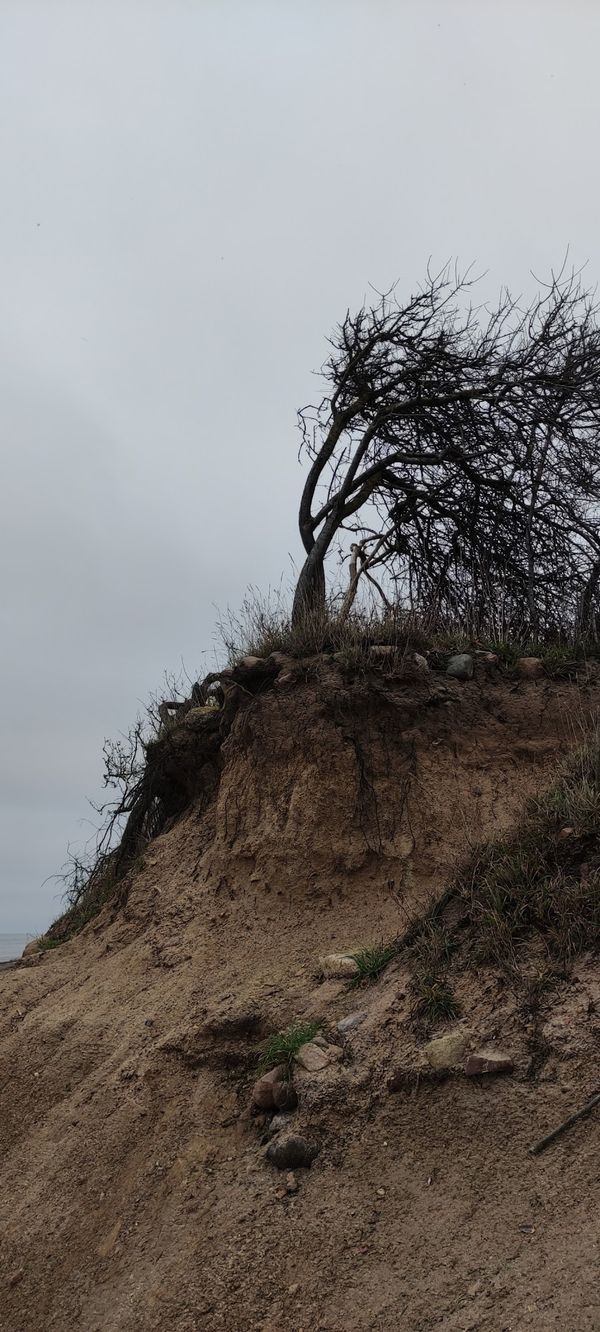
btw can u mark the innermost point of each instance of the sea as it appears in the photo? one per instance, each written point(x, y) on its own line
point(12, 945)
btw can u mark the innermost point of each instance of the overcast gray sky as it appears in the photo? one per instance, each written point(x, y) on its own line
point(193, 191)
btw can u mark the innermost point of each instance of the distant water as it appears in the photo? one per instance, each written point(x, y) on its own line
point(12, 945)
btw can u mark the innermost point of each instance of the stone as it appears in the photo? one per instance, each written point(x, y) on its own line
point(286, 677)
point(338, 966)
point(564, 834)
point(530, 668)
point(312, 1057)
point(421, 663)
point(292, 1152)
point(486, 1062)
point(251, 662)
point(447, 1051)
point(382, 650)
point(487, 659)
point(350, 1022)
point(279, 658)
point(264, 1088)
point(291, 1183)
point(461, 666)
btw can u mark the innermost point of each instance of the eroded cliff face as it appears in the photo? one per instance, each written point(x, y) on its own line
point(135, 1192)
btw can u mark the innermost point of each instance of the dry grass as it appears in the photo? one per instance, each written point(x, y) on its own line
point(535, 893)
point(263, 625)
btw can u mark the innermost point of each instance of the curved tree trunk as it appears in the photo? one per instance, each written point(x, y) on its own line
point(309, 597)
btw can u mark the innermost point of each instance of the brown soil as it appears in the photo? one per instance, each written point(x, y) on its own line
point(136, 1196)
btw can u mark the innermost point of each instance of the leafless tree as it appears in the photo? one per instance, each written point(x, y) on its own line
point(458, 448)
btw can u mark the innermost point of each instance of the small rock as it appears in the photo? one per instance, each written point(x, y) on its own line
point(263, 1090)
point(338, 966)
point(292, 1152)
point(421, 663)
point(487, 659)
point(446, 1051)
point(250, 662)
point(564, 834)
point(350, 1022)
point(279, 658)
point(294, 1288)
point(285, 677)
point(530, 668)
point(460, 666)
point(381, 650)
point(381, 1193)
point(312, 1057)
point(291, 1183)
point(488, 1061)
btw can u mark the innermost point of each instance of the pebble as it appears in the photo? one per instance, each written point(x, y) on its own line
point(263, 1092)
point(486, 1062)
point(292, 1152)
point(291, 1183)
point(350, 1022)
point(338, 966)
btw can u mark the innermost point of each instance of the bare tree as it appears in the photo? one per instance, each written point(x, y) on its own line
point(459, 448)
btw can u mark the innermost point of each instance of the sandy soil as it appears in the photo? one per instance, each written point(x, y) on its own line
point(136, 1196)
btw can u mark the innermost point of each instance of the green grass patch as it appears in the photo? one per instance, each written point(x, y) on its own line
point(283, 1046)
point(372, 961)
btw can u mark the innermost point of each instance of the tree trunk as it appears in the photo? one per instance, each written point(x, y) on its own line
point(587, 619)
point(309, 597)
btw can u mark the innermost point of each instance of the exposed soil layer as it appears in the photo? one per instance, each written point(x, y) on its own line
point(136, 1195)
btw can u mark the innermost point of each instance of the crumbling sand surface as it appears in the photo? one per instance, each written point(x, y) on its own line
point(136, 1196)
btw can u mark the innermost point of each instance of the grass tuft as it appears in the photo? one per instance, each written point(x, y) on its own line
point(435, 1000)
point(283, 1046)
point(372, 961)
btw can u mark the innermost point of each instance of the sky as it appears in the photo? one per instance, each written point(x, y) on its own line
point(193, 193)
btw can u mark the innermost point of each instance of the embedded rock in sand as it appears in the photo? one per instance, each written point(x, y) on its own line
point(338, 966)
point(447, 1051)
point(349, 1023)
point(488, 1061)
point(530, 668)
point(292, 1152)
point(313, 1056)
point(263, 1092)
point(460, 666)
